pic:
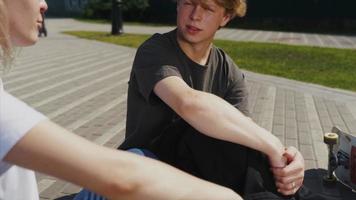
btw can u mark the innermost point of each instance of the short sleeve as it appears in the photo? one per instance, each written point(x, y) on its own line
point(237, 94)
point(154, 61)
point(16, 119)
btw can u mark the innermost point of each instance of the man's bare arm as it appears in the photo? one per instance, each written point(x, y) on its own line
point(216, 118)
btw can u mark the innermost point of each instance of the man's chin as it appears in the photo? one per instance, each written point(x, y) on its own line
point(191, 38)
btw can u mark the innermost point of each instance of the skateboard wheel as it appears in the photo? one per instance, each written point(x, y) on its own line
point(330, 138)
point(329, 180)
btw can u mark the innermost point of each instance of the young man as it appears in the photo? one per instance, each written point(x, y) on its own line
point(187, 103)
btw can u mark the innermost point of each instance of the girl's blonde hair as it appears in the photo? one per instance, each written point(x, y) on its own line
point(5, 43)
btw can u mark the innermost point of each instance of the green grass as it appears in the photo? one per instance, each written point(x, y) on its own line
point(105, 21)
point(93, 21)
point(325, 66)
point(128, 40)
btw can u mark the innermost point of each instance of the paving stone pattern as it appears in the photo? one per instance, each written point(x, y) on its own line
point(81, 85)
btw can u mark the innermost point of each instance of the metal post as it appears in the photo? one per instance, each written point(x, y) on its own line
point(116, 25)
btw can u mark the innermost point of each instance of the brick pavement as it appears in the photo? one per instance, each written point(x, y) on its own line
point(81, 85)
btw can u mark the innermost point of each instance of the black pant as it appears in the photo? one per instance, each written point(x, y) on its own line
point(217, 161)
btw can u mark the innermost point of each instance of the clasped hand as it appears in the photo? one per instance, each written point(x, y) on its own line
point(290, 176)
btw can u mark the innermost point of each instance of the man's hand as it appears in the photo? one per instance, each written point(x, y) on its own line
point(278, 162)
point(290, 178)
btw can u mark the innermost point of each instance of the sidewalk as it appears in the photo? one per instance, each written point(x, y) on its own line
point(81, 85)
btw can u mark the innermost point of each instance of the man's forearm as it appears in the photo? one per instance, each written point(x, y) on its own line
point(216, 118)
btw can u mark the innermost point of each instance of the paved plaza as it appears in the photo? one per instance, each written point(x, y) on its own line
point(81, 85)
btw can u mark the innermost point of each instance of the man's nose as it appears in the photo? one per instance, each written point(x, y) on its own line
point(196, 13)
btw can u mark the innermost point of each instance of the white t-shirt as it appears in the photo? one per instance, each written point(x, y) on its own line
point(16, 119)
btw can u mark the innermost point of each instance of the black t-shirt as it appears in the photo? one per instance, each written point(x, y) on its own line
point(148, 117)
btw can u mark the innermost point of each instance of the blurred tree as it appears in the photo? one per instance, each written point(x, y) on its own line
point(101, 9)
point(98, 9)
point(134, 9)
point(134, 5)
point(161, 11)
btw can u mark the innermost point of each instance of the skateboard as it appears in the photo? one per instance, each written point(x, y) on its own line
point(342, 158)
point(338, 181)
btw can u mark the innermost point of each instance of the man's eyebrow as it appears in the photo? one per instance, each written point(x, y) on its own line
point(210, 4)
point(205, 5)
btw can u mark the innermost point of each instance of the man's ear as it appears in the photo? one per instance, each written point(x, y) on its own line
point(227, 17)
